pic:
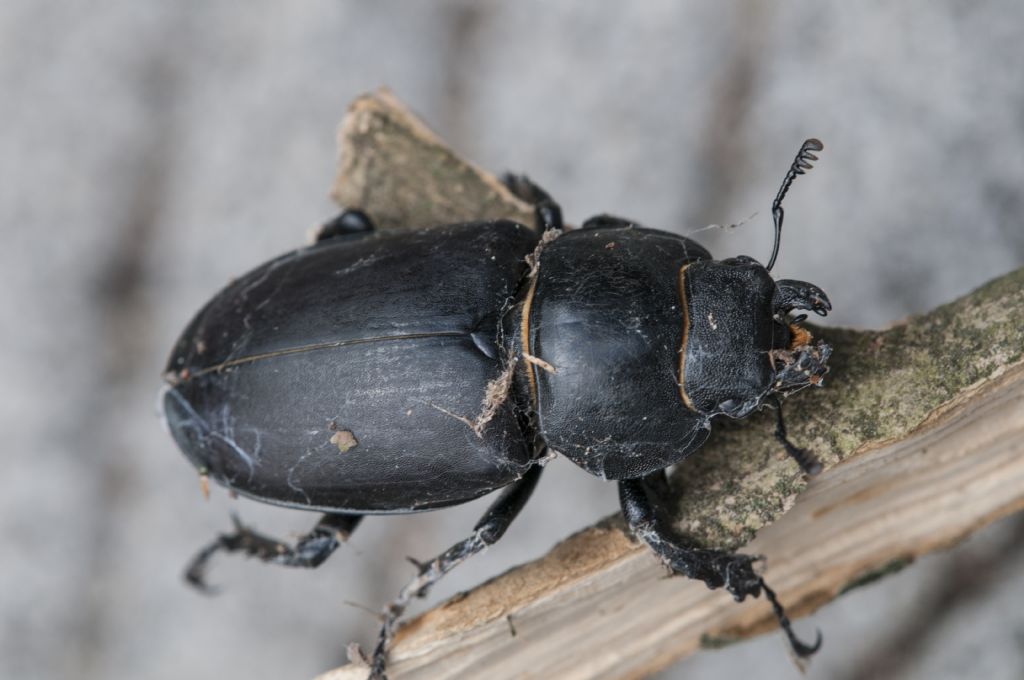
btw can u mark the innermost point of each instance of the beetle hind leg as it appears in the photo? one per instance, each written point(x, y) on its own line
point(645, 508)
point(309, 551)
point(487, 531)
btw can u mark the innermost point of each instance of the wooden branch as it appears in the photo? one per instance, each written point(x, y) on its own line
point(921, 428)
point(394, 167)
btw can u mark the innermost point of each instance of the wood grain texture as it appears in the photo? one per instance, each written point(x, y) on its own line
point(920, 429)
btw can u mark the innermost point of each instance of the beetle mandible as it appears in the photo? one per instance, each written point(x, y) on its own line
point(375, 373)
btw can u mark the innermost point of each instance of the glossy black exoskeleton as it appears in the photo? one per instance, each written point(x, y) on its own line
point(409, 370)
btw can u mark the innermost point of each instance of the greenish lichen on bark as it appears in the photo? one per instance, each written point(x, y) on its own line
point(718, 641)
point(872, 575)
point(882, 385)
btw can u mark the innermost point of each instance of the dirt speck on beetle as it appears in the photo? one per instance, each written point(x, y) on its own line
point(344, 440)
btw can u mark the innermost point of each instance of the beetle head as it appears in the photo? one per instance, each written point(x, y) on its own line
point(741, 341)
point(801, 363)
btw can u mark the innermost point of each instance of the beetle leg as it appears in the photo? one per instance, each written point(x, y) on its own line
point(606, 221)
point(487, 531)
point(657, 484)
point(309, 551)
point(351, 221)
point(715, 568)
point(549, 214)
point(807, 462)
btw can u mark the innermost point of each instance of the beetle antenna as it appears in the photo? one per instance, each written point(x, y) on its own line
point(801, 164)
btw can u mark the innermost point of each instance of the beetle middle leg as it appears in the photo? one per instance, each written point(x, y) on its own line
point(644, 505)
point(487, 531)
point(309, 551)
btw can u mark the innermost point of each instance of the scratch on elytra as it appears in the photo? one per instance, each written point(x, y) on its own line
point(291, 474)
point(228, 437)
point(233, 445)
point(495, 395)
point(207, 432)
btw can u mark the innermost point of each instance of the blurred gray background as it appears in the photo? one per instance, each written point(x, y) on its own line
point(149, 151)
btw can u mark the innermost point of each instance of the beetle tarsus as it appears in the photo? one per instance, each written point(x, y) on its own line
point(309, 551)
point(807, 462)
point(800, 648)
point(487, 531)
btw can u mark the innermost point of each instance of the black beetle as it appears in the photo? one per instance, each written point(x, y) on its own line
point(404, 371)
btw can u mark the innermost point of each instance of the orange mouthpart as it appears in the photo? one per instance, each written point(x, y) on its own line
point(801, 336)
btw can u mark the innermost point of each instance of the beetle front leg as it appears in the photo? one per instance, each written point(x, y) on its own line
point(487, 531)
point(807, 462)
point(548, 213)
point(309, 551)
point(716, 568)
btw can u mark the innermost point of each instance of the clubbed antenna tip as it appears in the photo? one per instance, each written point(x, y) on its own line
point(801, 164)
